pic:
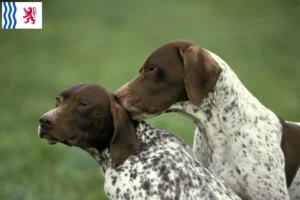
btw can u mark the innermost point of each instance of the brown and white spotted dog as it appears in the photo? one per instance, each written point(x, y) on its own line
point(236, 136)
point(138, 161)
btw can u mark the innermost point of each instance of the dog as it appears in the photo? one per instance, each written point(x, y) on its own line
point(251, 148)
point(138, 161)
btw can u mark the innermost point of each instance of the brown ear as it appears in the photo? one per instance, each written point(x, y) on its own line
point(124, 141)
point(200, 72)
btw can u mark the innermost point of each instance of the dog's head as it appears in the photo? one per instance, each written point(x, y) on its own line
point(87, 115)
point(177, 71)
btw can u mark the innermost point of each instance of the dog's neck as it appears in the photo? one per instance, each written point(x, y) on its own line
point(223, 107)
point(102, 157)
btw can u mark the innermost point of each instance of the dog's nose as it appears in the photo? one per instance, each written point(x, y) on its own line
point(121, 93)
point(119, 97)
point(118, 93)
point(46, 120)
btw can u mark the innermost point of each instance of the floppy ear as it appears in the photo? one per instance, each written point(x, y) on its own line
point(200, 72)
point(124, 141)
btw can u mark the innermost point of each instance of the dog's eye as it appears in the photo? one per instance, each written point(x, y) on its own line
point(82, 104)
point(150, 68)
point(57, 102)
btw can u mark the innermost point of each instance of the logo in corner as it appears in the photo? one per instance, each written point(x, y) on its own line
point(30, 14)
point(21, 15)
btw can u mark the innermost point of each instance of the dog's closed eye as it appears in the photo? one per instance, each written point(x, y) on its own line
point(82, 104)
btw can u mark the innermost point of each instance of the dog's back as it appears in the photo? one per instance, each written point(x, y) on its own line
point(163, 168)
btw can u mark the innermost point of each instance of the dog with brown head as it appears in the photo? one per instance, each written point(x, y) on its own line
point(87, 116)
point(175, 72)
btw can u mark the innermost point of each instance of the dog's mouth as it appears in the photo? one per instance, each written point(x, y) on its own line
point(71, 141)
point(51, 140)
point(140, 116)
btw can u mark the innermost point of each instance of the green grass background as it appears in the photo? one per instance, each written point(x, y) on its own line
point(106, 42)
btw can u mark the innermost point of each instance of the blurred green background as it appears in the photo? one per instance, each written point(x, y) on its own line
point(106, 42)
